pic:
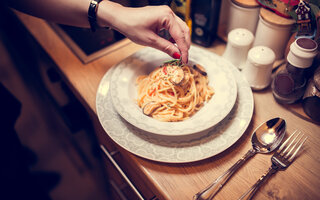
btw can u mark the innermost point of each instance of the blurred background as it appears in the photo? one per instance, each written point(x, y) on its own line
point(54, 138)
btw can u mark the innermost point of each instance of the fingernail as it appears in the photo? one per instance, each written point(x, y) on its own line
point(176, 55)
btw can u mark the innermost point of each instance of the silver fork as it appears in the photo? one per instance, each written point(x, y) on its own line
point(281, 159)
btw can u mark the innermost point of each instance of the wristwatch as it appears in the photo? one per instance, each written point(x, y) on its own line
point(92, 14)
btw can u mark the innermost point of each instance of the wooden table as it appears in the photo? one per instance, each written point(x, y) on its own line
point(181, 181)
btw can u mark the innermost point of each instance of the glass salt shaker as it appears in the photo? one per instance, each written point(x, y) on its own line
point(288, 86)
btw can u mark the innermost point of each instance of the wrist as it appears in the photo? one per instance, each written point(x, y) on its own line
point(92, 14)
point(106, 14)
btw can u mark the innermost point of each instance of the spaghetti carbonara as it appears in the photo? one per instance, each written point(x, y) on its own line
point(173, 92)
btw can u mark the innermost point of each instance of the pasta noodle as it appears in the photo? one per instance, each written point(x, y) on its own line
point(172, 92)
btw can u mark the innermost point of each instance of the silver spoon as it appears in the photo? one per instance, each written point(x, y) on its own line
point(264, 139)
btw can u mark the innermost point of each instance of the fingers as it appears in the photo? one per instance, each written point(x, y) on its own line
point(185, 29)
point(148, 21)
point(179, 31)
point(184, 41)
point(165, 45)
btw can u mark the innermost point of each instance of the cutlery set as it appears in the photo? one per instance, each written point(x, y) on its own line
point(265, 139)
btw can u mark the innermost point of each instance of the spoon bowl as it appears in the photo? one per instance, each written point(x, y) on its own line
point(268, 135)
point(264, 139)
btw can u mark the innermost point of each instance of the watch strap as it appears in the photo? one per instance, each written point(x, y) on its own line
point(92, 14)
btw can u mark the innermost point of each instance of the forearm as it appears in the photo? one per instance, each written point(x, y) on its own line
point(141, 25)
point(70, 12)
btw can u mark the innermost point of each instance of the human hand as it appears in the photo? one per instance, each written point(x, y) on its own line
point(142, 25)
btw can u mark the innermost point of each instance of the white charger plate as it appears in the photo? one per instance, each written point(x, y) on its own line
point(123, 90)
point(177, 149)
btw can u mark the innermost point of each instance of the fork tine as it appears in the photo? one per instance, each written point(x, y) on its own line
point(294, 146)
point(285, 142)
point(294, 154)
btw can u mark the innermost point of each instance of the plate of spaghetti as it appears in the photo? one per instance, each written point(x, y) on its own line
point(166, 97)
point(173, 92)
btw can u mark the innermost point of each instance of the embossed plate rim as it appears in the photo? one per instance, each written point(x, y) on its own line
point(153, 147)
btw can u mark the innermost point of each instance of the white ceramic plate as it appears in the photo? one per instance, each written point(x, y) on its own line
point(123, 90)
point(177, 149)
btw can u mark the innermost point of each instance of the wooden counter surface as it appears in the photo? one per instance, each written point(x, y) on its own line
point(181, 181)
